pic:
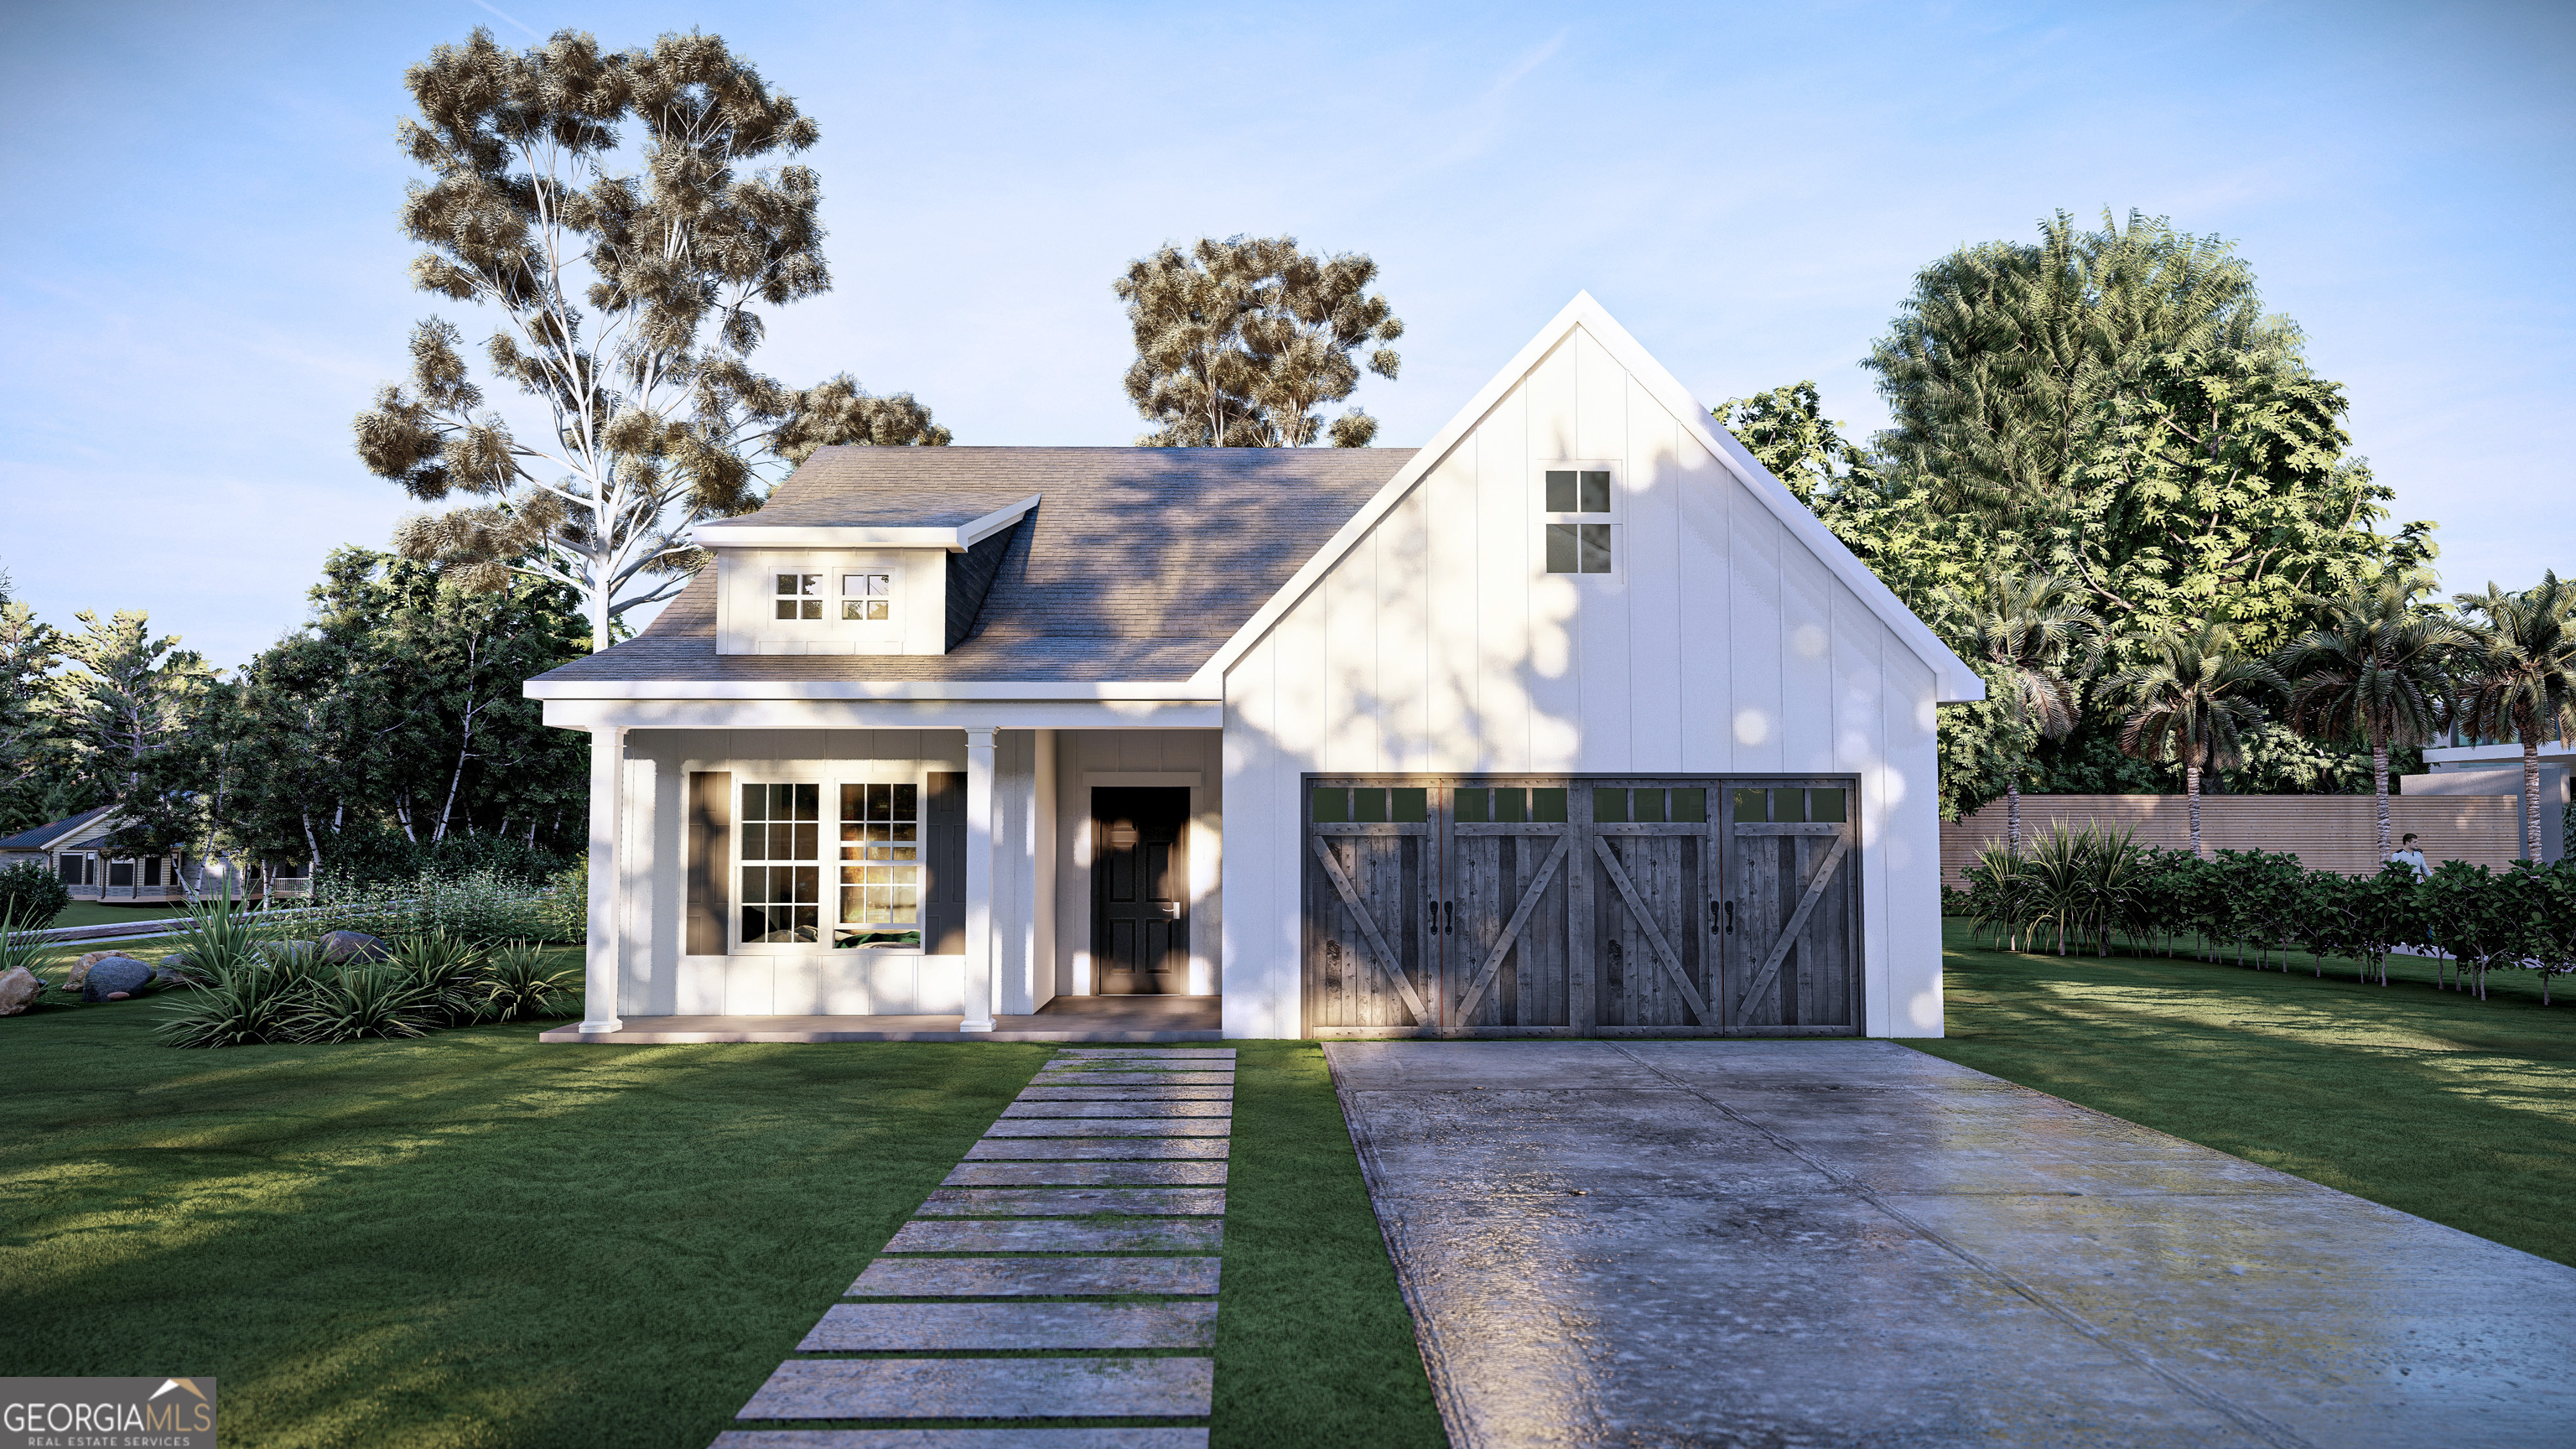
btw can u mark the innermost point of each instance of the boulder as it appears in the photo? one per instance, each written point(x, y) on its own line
point(162, 975)
point(341, 947)
point(115, 978)
point(80, 969)
point(17, 991)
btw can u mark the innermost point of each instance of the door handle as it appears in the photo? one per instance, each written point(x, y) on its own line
point(1730, 918)
point(1171, 909)
point(1453, 918)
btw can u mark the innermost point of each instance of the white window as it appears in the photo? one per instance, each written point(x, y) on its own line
point(881, 854)
point(1578, 511)
point(867, 597)
point(782, 864)
point(799, 596)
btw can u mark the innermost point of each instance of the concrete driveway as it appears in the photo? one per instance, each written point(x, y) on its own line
point(1848, 1242)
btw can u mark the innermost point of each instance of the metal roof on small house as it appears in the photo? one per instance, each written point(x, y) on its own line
point(53, 834)
point(1138, 563)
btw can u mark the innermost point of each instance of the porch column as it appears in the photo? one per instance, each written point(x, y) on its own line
point(979, 881)
point(599, 976)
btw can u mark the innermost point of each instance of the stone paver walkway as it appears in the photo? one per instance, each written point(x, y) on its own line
point(1066, 1270)
point(1827, 1243)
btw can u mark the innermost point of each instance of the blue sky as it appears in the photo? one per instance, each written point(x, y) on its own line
point(204, 281)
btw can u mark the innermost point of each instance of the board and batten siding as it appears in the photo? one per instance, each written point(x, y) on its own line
point(1719, 645)
point(658, 977)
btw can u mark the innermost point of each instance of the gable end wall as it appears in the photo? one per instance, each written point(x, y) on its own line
point(1720, 645)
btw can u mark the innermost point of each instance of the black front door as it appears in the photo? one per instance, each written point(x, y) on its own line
point(1140, 899)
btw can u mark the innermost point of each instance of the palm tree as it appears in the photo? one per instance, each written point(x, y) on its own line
point(2376, 670)
point(2028, 630)
point(2193, 705)
point(2517, 677)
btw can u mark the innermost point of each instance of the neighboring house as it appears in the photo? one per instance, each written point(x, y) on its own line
point(1572, 722)
point(76, 850)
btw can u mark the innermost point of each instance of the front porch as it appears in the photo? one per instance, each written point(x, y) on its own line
point(1065, 1019)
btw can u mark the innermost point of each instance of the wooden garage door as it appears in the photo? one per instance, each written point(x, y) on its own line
point(1535, 906)
point(1793, 965)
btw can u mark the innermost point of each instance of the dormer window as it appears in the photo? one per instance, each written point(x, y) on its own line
point(867, 597)
point(800, 596)
point(1578, 509)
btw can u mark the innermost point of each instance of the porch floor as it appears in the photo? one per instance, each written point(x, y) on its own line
point(1066, 1018)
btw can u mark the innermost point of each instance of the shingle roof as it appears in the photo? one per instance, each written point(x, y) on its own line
point(1137, 564)
point(45, 835)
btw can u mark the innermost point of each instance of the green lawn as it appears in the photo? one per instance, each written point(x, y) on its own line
point(2428, 1101)
point(473, 1239)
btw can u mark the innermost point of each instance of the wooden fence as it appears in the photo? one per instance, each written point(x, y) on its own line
point(2326, 832)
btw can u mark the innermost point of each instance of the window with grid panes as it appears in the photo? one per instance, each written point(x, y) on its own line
point(800, 596)
point(1575, 545)
point(880, 868)
point(782, 871)
point(867, 597)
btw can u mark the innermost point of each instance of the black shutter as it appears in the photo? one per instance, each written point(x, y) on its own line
point(710, 859)
point(943, 889)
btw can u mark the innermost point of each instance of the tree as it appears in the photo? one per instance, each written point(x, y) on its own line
point(627, 296)
point(32, 757)
point(2028, 631)
point(2517, 677)
point(129, 707)
point(395, 719)
point(2373, 670)
point(2193, 704)
point(1239, 341)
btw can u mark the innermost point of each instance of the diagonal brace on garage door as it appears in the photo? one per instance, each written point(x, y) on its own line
point(1663, 949)
point(1386, 961)
point(1770, 968)
point(1512, 932)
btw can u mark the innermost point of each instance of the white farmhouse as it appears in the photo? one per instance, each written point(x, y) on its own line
point(1573, 722)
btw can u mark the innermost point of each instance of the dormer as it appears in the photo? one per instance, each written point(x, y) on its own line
point(901, 574)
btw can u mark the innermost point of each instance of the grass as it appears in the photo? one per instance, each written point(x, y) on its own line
point(2428, 1101)
point(1313, 1342)
point(91, 913)
point(474, 1239)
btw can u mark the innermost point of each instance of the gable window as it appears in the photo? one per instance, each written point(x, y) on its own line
point(880, 868)
point(782, 870)
point(800, 596)
point(868, 597)
point(1578, 509)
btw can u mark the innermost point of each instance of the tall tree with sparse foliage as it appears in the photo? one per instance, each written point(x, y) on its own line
point(1240, 342)
point(129, 705)
point(32, 754)
point(629, 286)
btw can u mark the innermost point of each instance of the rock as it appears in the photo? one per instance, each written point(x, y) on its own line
point(162, 975)
point(178, 963)
point(17, 991)
point(80, 968)
point(115, 978)
point(341, 947)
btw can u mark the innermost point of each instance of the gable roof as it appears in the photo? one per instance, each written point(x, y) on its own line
point(54, 832)
point(1955, 681)
point(1136, 565)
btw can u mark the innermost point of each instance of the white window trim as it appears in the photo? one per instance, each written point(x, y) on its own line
point(1615, 516)
point(893, 621)
point(827, 916)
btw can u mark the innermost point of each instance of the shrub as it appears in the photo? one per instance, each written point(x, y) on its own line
point(446, 973)
point(516, 985)
point(31, 896)
point(360, 1001)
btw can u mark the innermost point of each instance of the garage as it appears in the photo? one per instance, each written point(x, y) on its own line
point(1580, 905)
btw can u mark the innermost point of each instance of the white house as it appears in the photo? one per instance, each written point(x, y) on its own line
point(1572, 722)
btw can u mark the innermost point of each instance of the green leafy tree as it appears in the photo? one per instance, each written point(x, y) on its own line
point(393, 722)
point(2033, 641)
point(1239, 342)
point(629, 287)
point(33, 758)
point(129, 706)
point(2517, 677)
point(2193, 704)
point(2376, 670)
